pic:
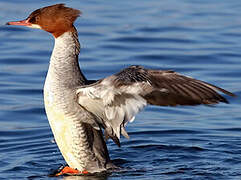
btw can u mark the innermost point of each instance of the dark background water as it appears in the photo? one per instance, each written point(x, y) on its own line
point(199, 38)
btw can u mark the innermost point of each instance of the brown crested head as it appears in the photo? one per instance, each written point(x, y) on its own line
point(55, 19)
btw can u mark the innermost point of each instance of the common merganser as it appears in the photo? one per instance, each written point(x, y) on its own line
point(78, 109)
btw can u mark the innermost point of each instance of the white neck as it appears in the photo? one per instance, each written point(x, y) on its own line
point(66, 46)
point(64, 66)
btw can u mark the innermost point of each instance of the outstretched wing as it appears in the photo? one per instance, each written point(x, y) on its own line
point(116, 99)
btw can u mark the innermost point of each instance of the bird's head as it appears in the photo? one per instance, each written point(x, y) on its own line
point(55, 19)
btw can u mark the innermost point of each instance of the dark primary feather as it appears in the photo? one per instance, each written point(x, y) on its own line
point(168, 88)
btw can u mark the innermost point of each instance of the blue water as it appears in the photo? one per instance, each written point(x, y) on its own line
point(199, 38)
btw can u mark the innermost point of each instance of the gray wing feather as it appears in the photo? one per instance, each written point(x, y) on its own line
point(116, 99)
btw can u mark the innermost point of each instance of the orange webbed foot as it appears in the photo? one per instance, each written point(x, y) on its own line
point(70, 171)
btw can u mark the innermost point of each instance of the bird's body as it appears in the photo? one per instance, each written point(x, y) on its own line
point(78, 109)
point(68, 120)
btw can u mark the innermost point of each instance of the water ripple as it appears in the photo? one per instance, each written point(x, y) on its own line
point(199, 38)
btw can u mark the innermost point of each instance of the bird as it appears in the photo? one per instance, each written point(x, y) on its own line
point(83, 114)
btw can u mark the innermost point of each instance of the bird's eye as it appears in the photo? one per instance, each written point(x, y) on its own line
point(32, 20)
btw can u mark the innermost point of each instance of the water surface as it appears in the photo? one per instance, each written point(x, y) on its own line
point(201, 39)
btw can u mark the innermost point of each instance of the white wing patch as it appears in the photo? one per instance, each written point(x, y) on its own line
point(115, 107)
